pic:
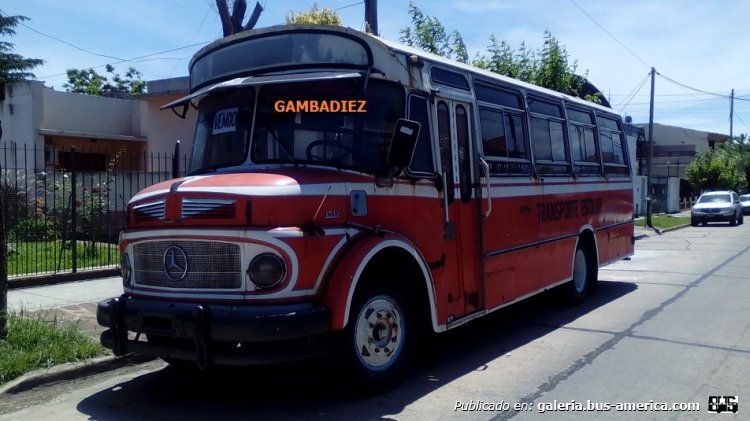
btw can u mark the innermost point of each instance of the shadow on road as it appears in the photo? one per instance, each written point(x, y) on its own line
point(304, 389)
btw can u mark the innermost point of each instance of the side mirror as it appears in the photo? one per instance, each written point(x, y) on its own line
point(403, 143)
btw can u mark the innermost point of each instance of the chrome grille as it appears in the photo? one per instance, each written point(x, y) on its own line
point(210, 265)
point(152, 210)
point(207, 208)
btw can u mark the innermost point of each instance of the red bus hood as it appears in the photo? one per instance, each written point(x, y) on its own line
point(293, 197)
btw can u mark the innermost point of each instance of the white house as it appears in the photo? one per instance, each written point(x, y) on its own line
point(676, 147)
point(37, 118)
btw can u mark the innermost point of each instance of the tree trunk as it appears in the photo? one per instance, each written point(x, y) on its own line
point(254, 17)
point(232, 23)
point(239, 7)
point(226, 19)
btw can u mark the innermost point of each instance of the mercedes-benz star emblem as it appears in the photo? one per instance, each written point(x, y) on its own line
point(175, 263)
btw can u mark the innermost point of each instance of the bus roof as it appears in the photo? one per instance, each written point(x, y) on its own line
point(375, 43)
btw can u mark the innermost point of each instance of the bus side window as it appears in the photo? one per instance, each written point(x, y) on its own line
point(581, 130)
point(464, 152)
point(613, 146)
point(422, 161)
point(501, 119)
point(446, 156)
point(548, 138)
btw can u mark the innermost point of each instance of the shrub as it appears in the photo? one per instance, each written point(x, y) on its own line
point(33, 229)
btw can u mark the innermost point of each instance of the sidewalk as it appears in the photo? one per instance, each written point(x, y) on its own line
point(73, 302)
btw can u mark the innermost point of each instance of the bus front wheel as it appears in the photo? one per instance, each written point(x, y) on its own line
point(380, 339)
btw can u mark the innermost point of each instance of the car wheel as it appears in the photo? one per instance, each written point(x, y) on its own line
point(693, 222)
point(741, 220)
point(733, 220)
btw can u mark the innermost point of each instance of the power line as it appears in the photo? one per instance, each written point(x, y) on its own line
point(60, 40)
point(138, 59)
point(684, 101)
point(656, 95)
point(141, 59)
point(741, 120)
point(209, 10)
point(643, 61)
point(610, 35)
point(692, 88)
point(632, 93)
point(349, 5)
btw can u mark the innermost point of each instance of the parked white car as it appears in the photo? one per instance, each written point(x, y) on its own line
point(745, 201)
point(717, 206)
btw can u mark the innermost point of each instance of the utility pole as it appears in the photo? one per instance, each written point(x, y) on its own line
point(731, 116)
point(650, 155)
point(371, 16)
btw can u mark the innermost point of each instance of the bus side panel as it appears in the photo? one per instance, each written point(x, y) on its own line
point(614, 243)
point(522, 272)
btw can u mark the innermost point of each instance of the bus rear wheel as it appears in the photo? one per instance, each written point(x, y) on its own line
point(585, 274)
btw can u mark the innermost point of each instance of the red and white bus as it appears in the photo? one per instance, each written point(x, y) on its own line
point(300, 231)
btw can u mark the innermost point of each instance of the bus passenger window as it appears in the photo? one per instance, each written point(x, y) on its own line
point(613, 147)
point(446, 156)
point(548, 138)
point(540, 139)
point(464, 152)
point(493, 133)
point(514, 132)
point(422, 161)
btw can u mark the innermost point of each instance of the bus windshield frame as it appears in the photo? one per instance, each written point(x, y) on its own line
point(338, 123)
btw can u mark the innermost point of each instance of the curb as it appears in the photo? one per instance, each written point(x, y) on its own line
point(662, 231)
point(42, 280)
point(69, 371)
point(659, 231)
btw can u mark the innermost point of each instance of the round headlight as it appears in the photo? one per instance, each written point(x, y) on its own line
point(126, 269)
point(266, 270)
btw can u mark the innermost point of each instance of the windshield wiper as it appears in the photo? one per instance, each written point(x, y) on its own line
point(275, 136)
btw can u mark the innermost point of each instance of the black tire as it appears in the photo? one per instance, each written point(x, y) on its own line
point(381, 339)
point(693, 222)
point(585, 274)
point(733, 220)
point(741, 220)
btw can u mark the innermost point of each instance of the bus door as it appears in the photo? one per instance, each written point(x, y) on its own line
point(462, 207)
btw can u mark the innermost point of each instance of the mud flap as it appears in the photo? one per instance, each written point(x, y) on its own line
point(117, 326)
point(201, 338)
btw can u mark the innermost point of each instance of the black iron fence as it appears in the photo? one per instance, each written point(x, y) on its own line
point(64, 208)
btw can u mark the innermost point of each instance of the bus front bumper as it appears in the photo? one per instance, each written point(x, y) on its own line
point(213, 334)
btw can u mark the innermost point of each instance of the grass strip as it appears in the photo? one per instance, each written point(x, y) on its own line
point(35, 342)
point(664, 221)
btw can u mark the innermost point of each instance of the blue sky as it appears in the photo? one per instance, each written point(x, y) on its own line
point(694, 44)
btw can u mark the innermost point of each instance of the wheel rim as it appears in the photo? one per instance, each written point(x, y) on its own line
point(580, 271)
point(379, 333)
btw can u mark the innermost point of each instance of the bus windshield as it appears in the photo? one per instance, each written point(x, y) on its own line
point(331, 123)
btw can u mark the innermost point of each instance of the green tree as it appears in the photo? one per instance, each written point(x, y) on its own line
point(90, 82)
point(14, 67)
point(427, 33)
point(719, 169)
point(314, 16)
point(554, 71)
point(549, 66)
